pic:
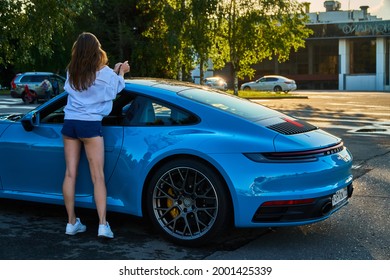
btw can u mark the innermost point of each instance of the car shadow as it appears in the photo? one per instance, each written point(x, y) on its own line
point(36, 231)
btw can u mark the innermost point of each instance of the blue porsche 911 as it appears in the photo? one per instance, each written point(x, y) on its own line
point(191, 159)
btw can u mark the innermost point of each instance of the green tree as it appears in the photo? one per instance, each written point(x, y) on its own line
point(202, 31)
point(8, 22)
point(35, 33)
point(254, 30)
point(160, 38)
point(167, 43)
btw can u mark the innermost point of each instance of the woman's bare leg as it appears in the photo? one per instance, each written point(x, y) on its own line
point(94, 148)
point(72, 149)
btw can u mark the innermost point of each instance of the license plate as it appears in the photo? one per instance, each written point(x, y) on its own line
point(339, 196)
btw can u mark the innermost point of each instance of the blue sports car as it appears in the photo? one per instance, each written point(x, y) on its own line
point(191, 159)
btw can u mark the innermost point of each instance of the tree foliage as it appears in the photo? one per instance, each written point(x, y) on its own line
point(166, 35)
point(253, 30)
point(117, 24)
point(160, 38)
point(36, 32)
point(203, 31)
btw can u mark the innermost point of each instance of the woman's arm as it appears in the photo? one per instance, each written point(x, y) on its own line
point(122, 68)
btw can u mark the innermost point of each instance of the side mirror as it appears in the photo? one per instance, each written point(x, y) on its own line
point(29, 121)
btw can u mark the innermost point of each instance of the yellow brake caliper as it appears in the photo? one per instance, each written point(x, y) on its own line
point(174, 212)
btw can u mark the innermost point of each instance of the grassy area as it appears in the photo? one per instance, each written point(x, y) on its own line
point(4, 91)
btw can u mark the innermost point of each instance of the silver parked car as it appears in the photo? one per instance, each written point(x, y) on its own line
point(28, 86)
point(271, 83)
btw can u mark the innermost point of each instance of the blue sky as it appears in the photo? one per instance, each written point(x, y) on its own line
point(379, 8)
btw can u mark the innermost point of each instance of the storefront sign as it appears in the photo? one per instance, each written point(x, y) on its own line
point(366, 28)
point(351, 29)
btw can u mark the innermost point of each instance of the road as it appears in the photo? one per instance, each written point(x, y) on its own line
point(359, 231)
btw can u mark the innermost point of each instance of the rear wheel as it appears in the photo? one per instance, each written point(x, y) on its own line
point(246, 88)
point(277, 89)
point(188, 202)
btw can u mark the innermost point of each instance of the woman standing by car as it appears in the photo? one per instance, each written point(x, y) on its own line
point(91, 87)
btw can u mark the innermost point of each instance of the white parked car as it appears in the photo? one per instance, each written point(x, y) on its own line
point(216, 82)
point(271, 83)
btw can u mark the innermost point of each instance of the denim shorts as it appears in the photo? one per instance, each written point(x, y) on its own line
point(82, 129)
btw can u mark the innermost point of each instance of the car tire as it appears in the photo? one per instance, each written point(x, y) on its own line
point(247, 88)
point(277, 89)
point(188, 202)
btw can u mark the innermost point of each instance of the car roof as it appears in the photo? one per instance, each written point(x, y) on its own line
point(165, 84)
point(274, 76)
point(213, 78)
point(38, 73)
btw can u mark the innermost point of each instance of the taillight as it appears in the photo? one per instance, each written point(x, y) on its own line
point(295, 156)
point(13, 85)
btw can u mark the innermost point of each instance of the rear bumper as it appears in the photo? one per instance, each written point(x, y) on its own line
point(253, 183)
point(320, 208)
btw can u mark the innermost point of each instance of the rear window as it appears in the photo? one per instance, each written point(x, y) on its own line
point(32, 79)
point(229, 103)
point(25, 79)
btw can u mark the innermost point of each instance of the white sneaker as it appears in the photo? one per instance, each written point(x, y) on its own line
point(76, 228)
point(105, 231)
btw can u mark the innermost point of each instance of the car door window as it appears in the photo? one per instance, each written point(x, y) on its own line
point(149, 112)
point(26, 79)
point(54, 113)
point(128, 110)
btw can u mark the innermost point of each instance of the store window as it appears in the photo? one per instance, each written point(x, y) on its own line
point(363, 56)
point(325, 57)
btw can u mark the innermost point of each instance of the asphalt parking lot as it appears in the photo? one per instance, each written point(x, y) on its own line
point(359, 231)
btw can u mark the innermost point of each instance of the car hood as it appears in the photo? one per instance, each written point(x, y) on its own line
point(7, 117)
point(277, 133)
point(297, 135)
point(312, 140)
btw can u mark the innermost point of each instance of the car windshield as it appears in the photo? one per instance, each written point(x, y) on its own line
point(228, 103)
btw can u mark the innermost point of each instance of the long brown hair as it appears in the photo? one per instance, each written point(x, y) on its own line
point(87, 58)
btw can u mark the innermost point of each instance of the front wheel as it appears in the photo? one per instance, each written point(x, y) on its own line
point(188, 202)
